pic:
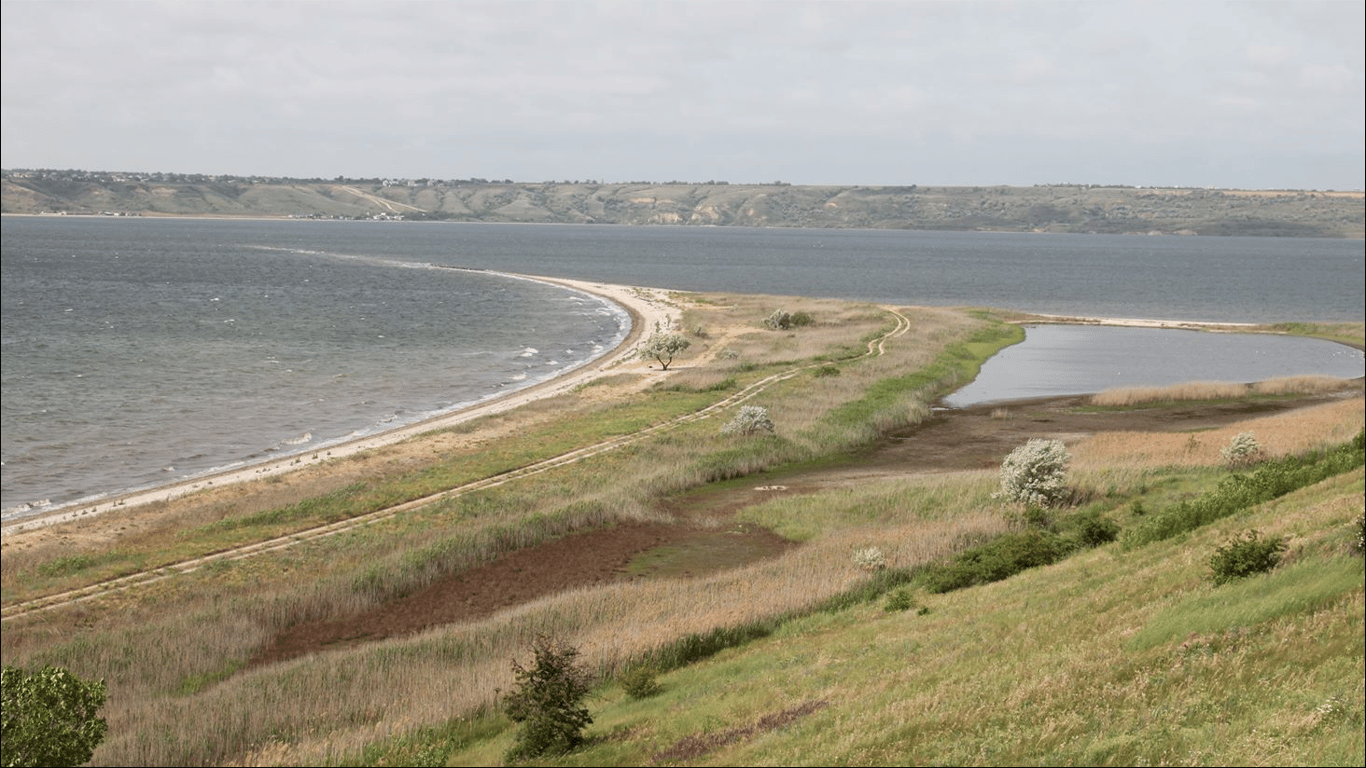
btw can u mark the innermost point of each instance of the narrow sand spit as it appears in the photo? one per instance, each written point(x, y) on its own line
point(648, 307)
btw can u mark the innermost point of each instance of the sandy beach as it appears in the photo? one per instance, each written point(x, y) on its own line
point(649, 308)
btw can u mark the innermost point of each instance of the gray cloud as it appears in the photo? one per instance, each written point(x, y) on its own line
point(1201, 94)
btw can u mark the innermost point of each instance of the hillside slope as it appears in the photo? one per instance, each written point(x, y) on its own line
point(1054, 208)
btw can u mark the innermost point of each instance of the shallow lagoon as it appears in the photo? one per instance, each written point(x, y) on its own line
point(1079, 359)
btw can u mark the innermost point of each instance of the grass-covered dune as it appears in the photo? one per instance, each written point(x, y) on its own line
point(800, 654)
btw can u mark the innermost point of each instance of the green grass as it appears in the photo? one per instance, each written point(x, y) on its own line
point(1108, 657)
point(1301, 588)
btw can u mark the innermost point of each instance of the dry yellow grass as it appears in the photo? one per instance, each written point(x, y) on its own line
point(1217, 390)
point(1279, 435)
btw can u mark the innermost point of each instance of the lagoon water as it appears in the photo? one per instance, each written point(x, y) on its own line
point(1080, 359)
point(140, 351)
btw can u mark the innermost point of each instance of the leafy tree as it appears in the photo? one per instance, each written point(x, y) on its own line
point(49, 717)
point(1036, 473)
point(664, 347)
point(548, 701)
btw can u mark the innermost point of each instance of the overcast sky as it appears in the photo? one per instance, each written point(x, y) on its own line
point(1250, 95)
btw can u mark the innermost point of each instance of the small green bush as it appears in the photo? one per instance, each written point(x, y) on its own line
point(1359, 545)
point(1093, 530)
point(548, 701)
point(640, 682)
point(1245, 555)
point(782, 320)
point(1271, 480)
point(900, 600)
point(998, 559)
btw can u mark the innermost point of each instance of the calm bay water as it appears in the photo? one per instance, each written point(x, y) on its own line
point(140, 351)
point(1079, 359)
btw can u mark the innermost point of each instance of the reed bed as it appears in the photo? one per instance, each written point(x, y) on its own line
point(1217, 390)
point(1279, 435)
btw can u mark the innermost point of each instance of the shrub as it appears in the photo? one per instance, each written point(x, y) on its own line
point(870, 559)
point(49, 717)
point(998, 559)
point(1242, 451)
point(548, 701)
point(1093, 530)
point(1245, 555)
point(1271, 480)
point(1359, 545)
point(640, 683)
point(781, 320)
point(1035, 473)
point(751, 420)
point(902, 600)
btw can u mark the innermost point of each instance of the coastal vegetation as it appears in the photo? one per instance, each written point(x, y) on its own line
point(1063, 645)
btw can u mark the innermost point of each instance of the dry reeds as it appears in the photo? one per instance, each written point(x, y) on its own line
point(1215, 390)
point(1297, 431)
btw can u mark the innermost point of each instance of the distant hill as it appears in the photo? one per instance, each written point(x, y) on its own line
point(1047, 208)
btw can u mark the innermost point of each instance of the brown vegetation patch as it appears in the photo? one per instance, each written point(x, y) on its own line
point(693, 747)
point(577, 560)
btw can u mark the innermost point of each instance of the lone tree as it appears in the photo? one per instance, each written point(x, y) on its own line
point(49, 717)
point(664, 347)
point(548, 701)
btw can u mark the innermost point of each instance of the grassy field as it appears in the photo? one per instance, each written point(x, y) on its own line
point(1109, 656)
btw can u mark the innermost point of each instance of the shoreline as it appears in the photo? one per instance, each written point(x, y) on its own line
point(646, 308)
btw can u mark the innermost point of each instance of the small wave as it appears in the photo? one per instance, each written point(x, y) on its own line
point(529, 351)
point(300, 440)
point(25, 509)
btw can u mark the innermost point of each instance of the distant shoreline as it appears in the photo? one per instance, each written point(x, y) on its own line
point(1048, 208)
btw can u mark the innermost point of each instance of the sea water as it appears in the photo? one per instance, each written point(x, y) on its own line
point(138, 352)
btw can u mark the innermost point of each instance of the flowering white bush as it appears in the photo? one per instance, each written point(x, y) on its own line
point(1242, 450)
point(751, 420)
point(1035, 473)
point(870, 559)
